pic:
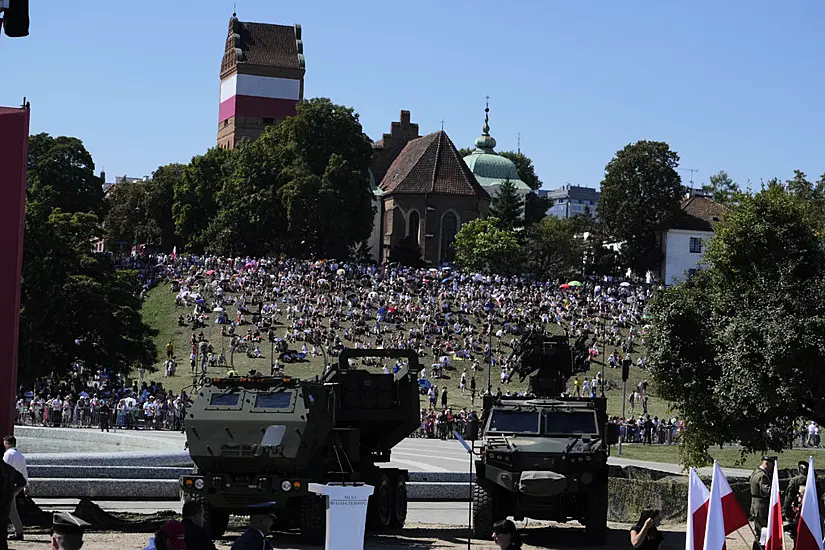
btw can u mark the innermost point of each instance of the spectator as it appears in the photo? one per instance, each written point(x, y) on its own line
point(645, 534)
point(16, 460)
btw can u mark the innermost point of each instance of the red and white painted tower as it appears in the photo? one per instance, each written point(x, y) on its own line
point(262, 79)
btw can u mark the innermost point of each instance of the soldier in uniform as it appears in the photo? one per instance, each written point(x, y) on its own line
point(792, 491)
point(67, 531)
point(760, 485)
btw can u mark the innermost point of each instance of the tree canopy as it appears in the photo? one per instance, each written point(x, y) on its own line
point(723, 189)
point(507, 206)
point(739, 346)
point(482, 245)
point(640, 195)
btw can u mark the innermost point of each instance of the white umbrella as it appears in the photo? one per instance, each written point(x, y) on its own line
point(218, 309)
point(340, 272)
point(624, 283)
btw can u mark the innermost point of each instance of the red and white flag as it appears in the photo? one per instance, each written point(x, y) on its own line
point(697, 517)
point(809, 530)
point(724, 513)
point(174, 252)
point(776, 536)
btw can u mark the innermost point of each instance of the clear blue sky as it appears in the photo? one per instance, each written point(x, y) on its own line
point(734, 86)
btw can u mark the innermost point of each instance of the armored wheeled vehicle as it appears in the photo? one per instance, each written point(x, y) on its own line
point(543, 456)
point(264, 439)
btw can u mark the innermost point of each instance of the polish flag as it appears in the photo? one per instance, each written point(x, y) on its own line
point(724, 513)
point(698, 496)
point(174, 252)
point(776, 537)
point(809, 530)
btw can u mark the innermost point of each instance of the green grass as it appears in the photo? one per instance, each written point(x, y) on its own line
point(728, 457)
point(159, 312)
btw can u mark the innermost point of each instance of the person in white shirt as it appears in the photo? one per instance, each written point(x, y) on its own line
point(16, 460)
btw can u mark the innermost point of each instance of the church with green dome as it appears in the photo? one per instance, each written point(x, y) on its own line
point(490, 168)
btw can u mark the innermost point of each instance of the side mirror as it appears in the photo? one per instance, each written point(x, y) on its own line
point(273, 436)
point(472, 430)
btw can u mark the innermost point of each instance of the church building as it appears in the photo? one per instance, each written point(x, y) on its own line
point(424, 191)
point(262, 79)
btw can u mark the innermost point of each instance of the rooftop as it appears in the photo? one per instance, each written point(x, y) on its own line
point(699, 213)
point(262, 44)
point(431, 164)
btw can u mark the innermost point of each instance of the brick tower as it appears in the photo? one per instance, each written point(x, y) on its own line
point(262, 79)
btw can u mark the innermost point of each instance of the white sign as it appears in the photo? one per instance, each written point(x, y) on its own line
point(346, 514)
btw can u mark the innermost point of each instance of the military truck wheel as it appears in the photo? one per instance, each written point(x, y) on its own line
point(483, 513)
point(379, 509)
point(215, 520)
point(595, 529)
point(313, 518)
point(399, 499)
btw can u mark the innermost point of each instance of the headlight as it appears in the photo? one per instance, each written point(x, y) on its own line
point(286, 486)
point(199, 484)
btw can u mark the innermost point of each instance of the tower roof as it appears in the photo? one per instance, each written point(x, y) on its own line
point(487, 166)
point(431, 164)
point(262, 44)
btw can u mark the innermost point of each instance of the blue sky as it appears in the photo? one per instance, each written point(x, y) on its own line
point(735, 86)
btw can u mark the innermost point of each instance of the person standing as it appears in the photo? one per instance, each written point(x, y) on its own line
point(195, 535)
point(645, 534)
point(255, 537)
point(16, 460)
point(105, 411)
point(11, 482)
point(760, 488)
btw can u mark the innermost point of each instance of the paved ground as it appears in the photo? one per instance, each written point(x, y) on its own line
point(434, 455)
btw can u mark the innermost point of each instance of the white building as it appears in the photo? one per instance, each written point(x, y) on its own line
point(684, 244)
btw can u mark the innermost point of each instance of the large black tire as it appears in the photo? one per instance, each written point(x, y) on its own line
point(483, 513)
point(595, 529)
point(313, 518)
point(379, 508)
point(399, 502)
point(215, 520)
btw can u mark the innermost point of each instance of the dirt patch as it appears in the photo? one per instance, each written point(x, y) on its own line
point(416, 535)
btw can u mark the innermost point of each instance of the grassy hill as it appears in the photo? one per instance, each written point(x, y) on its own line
point(160, 312)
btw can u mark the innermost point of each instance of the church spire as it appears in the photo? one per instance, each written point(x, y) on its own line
point(485, 143)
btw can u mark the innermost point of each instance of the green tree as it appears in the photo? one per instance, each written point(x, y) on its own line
point(552, 249)
point(526, 170)
point(61, 172)
point(723, 189)
point(481, 245)
point(302, 188)
point(535, 208)
point(406, 253)
point(738, 348)
point(507, 206)
point(465, 151)
point(799, 186)
point(640, 195)
point(160, 200)
point(195, 196)
point(125, 217)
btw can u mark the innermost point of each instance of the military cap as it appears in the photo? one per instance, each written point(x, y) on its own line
point(802, 464)
point(262, 509)
point(771, 459)
point(64, 523)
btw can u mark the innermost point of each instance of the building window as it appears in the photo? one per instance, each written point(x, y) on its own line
point(267, 121)
point(449, 229)
point(691, 272)
point(695, 245)
point(413, 226)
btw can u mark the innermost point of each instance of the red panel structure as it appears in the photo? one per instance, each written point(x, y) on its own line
point(14, 150)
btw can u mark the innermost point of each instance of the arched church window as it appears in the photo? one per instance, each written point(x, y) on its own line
point(449, 229)
point(414, 225)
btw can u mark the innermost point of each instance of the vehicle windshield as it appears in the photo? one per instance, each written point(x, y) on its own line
point(526, 422)
point(278, 400)
point(224, 399)
point(579, 422)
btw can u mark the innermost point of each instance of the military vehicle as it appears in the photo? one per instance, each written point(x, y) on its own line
point(264, 439)
point(543, 456)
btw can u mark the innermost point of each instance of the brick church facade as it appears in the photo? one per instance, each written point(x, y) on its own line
point(425, 192)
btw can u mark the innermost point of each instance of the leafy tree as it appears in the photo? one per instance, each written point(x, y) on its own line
point(302, 188)
point(739, 346)
point(526, 170)
point(481, 245)
point(195, 196)
point(406, 253)
point(552, 249)
point(640, 195)
point(61, 172)
point(160, 200)
point(465, 151)
point(723, 189)
point(799, 185)
point(125, 220)
point(535, 208)
point(506, 205)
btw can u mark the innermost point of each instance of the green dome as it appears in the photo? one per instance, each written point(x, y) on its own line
point(489, 168)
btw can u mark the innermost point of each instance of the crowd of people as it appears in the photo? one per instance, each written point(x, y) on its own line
point(460, 324)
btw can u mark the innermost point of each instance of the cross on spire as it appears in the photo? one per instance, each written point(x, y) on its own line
point(486, 130)
point(442, 124)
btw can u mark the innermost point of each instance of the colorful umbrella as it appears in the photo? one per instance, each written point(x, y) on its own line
point(564, 286)
point(574, 283)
